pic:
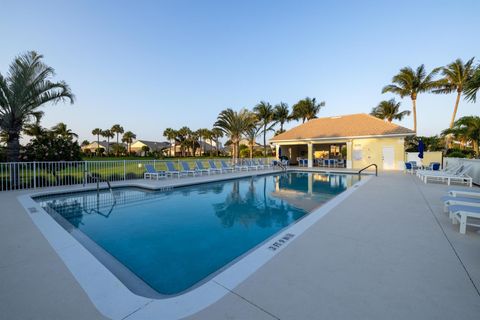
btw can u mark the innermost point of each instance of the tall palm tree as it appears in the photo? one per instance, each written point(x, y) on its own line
point(217, 133)
point(251, 134)
point(467, 129)
point(109, 135)
point(33, 129)
point(184, 138)
point(97, 132)
point(455, 76)
point(23, 91)
point(389, 110)
point(117, 130)
point(306, 109)
point(266, 117)
point(233, 124)
point(409, 82)
point(128, 139)
point(170, 135)
point(281, 115)
point(62, 130)
point(473, 85)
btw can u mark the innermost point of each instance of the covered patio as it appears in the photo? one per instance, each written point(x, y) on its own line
point(316, 154)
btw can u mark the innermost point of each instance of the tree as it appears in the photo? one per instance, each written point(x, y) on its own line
point(62, 130)
point(109, 135)
point(389, 110)
point(170, 135)
point(251, 134)
point(473, 85)
point(128, 139)
point(203, 135)
point(85, 143)
point(117, 130)
point(281, 115)
point(145, 150)
point(466, 129)
point(217, 133)
point(306, 109)
point(50, 146)
point(33, 129)
point(265, 115)
point(183, 137)
point(97, 132)
point(23, 91)
point(409, 82)
point(233, 124)
point(455, 77)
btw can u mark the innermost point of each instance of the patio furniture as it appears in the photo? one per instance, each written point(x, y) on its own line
point(226, 167)
point(171, 170)
point(151, 172)
point(258, 164)
point(222, 169)
point(463, 193)
point(462, 213)
point(459, 176)
point(409, 167)
point(187, 170)
point(251, 165)
point(265, 165)
point(200, 168)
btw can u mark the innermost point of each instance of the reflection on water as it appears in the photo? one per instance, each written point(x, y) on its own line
point(173, 239)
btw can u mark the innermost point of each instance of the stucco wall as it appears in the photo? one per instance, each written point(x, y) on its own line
point(363, 152)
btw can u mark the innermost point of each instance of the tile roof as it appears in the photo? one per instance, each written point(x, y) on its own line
point(354, 125)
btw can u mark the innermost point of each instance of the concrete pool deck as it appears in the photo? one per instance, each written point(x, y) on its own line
point(387, 251)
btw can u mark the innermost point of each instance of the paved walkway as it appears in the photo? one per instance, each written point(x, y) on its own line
point(386, 252)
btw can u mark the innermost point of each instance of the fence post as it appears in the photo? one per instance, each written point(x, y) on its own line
point(84, 173)
point(34, 175)
point(124, 170)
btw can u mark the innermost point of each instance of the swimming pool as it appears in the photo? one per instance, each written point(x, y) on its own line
point(174, 240)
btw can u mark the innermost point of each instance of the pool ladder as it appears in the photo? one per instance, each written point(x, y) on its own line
point(282, 166)
point(98, 179)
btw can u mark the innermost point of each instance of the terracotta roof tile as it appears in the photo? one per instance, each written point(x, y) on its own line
point(354, 125)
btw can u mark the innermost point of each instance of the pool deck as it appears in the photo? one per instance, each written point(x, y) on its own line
point(386, 252)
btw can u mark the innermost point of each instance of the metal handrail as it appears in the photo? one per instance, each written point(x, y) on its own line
point(98, 179)
point(373, 164)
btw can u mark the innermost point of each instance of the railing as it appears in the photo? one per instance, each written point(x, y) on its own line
point(370, 165)
point(33, 175)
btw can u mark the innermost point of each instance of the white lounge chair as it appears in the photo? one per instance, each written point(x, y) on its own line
point(462, 213)
point(252, 165)
point(463, 193)
point(448, 170)
point(152, 173)
point(201, 168)
point(187, 170)
point(222, 170)
point(265, 165)
point(171, 170)
point(450, 201)
point(459, 176)
point(226, 167)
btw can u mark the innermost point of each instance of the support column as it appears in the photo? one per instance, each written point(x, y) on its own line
point(310, 155)
point(310, 183)
point(349, 154)
point(277, 150)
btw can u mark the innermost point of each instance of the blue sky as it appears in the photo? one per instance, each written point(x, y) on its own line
point(149, 65)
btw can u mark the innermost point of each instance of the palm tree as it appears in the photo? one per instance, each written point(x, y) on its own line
point(281, 115)
point(33, 130)
point(409, 82)
point(128, 139)
point(216, 135)
point(62, 130)
point(109, 135)
point(306, 109)
point(233, 124)
point(455, 76)
point(117, 130)
point(389, 110)
point(97, 132)
point(85, 143)
point(467, 129)
point(170, 134)
point(265, 115)
point(473, 85)
point(251, 134)
point(184, 138)
point(26, 88)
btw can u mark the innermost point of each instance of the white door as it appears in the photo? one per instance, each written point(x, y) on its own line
point(388, 158)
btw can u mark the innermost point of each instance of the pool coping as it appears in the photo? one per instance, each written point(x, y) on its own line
point(114, 300)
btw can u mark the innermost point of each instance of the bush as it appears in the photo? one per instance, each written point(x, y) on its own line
point(456, 154)
point(50, 147)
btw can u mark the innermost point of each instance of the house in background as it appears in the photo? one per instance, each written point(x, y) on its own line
point(360, 139)
point(93, 146)
point(153, 146)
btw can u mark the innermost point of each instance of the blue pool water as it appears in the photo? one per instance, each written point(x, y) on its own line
point(173, 239)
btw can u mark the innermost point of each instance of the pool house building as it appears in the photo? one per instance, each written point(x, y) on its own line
point(350, 141)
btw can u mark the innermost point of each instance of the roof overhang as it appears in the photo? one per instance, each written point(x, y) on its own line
point(306, 140)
